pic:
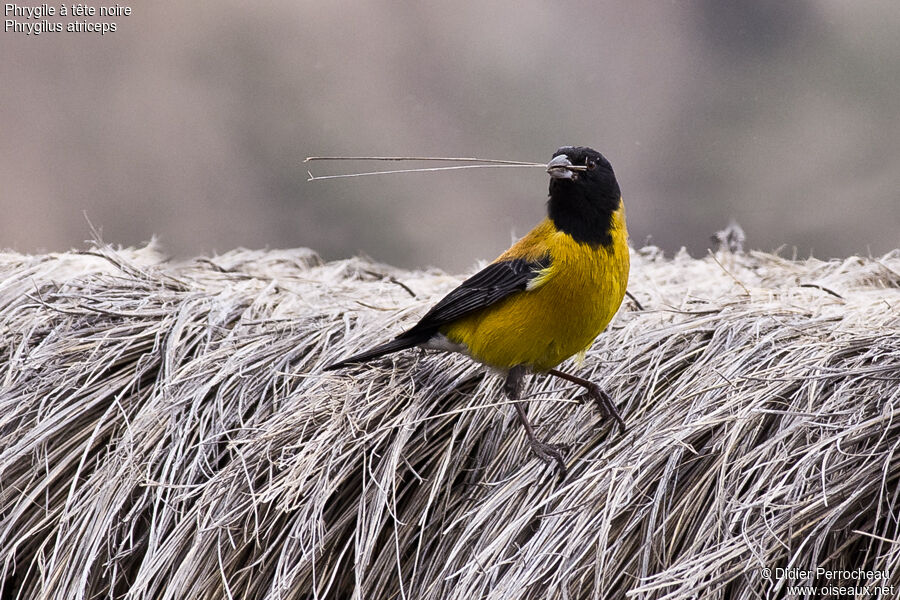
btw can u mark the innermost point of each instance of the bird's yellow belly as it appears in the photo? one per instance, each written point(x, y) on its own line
point(569, 305)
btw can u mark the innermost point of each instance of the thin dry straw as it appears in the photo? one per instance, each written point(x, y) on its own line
point(316, 178)
point(495, 161)
point(481, 163)
point(166, 432)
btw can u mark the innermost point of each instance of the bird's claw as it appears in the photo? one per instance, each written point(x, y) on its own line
point(551, 452)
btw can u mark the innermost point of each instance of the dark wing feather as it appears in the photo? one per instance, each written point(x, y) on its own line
point(486, 287)
point(492, 284)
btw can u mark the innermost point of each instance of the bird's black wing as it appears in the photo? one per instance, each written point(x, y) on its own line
point(492, 284)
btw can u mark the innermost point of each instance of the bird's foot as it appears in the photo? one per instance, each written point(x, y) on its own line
point(604, 402)
point(549, 453)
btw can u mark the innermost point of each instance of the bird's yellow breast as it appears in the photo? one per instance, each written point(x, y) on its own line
point(563, 309)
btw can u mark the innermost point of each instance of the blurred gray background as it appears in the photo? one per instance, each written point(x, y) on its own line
point(192, 120)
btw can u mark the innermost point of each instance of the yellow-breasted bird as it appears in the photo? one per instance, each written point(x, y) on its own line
point(546, 298)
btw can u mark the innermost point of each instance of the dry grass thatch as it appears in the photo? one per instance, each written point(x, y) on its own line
point(165, 433)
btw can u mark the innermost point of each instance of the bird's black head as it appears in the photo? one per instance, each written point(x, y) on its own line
point(584, 194)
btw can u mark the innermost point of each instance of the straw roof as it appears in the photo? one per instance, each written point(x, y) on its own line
point(166, 432)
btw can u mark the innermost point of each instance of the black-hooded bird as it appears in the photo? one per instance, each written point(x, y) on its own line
point(546, 298)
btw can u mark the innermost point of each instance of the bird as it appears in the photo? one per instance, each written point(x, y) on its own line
point(545, 299)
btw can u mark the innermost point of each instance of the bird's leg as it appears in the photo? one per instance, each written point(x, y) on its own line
point(512, 387)
point(596, 393)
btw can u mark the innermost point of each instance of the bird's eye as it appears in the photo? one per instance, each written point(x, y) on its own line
point(591, 165)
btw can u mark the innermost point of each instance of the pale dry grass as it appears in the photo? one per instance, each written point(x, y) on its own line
point(165, 432)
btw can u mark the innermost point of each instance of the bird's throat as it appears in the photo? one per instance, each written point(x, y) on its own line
point(587, 220)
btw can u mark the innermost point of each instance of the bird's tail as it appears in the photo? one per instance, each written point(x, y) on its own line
point(401, 342)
